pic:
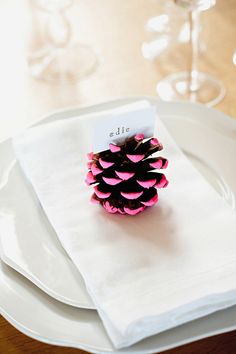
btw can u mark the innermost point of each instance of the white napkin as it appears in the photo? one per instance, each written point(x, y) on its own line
point(171, 264)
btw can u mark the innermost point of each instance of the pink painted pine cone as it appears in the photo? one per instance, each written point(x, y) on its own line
point(124, 177)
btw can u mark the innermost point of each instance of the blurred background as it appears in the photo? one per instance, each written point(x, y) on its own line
point(123, 47)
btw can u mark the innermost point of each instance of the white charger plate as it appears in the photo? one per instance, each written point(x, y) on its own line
point(208, 137)
point(32, 247)
point(53, 322)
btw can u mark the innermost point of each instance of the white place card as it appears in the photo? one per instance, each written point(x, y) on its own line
point(124, 122)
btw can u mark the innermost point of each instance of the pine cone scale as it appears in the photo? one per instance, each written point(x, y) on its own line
point(124, 175)
point(131, 195)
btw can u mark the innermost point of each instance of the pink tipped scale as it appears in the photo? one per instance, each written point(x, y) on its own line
point(114, 148)
point(135, 158)
point(131, 195)
point(110, 208)
point(111, 181)
point(151, 202)
point(165, 164)
point(160, 163)
point(139, 137)
point(90, 155)
point(100, 194)
point(90, 178)
point(147, 184)
point(163, 183)
point(105, 164)
point(95, 170)
point(154, 142)
point(157, 164)
point(134, 211)
point(125, 175)
point(89, 164)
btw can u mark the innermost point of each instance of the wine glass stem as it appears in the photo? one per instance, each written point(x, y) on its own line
point(194, 17)
point(58, 29)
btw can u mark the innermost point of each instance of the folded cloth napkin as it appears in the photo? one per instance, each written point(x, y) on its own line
point(173, 263)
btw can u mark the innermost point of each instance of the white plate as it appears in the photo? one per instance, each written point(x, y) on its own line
point(209, 137)
point(56, 323)
point(32, 248)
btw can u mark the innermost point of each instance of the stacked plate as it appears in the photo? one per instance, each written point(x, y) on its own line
point(42, 293)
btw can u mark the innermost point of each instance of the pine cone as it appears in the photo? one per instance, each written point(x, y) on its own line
point(124, 178)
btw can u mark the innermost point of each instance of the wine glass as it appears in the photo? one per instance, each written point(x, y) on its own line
point(61, 60)
point(170, 26)
point(192, 85)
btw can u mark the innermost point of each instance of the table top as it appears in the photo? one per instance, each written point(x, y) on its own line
point(115, 29)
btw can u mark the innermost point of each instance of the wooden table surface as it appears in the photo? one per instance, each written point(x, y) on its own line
point(115, 28)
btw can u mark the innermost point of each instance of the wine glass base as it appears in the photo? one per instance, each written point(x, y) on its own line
point(71, 63)
point(175, 87)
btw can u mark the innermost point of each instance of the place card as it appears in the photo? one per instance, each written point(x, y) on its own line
point(123, 123)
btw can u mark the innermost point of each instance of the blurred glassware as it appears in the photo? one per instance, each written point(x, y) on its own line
point(61, 60)
point(167, 28)
point(234, 58)
point(192, 85)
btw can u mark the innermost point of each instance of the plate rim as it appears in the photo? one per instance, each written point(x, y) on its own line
point(221, 117)
point(63, 343)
